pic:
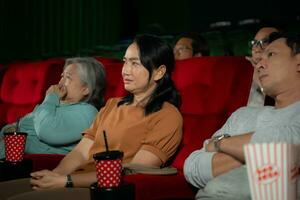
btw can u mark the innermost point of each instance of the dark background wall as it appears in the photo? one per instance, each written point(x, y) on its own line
point(184, 15)
point(33, 29)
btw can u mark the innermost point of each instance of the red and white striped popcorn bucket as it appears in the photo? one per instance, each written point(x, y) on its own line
point(272, 170)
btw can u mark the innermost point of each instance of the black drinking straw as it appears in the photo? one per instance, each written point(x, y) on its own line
point(105, 141)
point(17, 125)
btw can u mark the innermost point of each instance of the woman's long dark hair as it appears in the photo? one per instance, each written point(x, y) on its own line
point(153, 53)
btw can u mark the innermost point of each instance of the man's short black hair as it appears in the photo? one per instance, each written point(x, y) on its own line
point(292, 40)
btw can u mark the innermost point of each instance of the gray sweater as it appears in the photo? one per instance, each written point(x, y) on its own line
point(267, 123)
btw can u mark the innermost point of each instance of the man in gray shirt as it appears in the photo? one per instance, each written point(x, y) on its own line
point(218, 169)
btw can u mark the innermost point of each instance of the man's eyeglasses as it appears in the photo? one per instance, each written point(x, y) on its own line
point(181, 49)
point(261, 43)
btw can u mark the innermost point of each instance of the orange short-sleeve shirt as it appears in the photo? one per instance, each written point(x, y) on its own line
point(129, 130)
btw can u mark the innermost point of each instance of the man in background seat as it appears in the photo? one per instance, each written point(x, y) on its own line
point(258, 44)
point(190, 45)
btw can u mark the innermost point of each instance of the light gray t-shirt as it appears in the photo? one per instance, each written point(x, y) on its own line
point(267, 123)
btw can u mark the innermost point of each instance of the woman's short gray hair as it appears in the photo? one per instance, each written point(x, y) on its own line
point(92, 74)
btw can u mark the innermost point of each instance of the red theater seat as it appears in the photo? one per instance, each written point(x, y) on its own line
point(113, 68)
point(24, 85)
point(114, 80)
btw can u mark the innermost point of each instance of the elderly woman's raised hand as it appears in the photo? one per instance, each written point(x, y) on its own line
point(59, 89)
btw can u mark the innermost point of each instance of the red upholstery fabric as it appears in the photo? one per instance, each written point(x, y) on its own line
point(191, 78)
point(24, 85)
point(158, 187)
point(11, 112)
point(113, 68)
point(232, 82)
point(211, 89)
point(114, 79)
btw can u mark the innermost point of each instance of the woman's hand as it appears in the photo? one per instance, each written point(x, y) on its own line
point(59, 89)
point(46, 179)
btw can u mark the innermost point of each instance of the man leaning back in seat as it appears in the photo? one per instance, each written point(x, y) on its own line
point(218, 169)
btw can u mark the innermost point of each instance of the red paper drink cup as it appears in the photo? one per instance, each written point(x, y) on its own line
point(108, 168)
point(14, 146)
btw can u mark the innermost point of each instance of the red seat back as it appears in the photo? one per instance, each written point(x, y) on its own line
point(114, 87)
point(211, 89)
point(24, 85)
